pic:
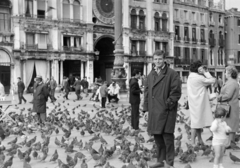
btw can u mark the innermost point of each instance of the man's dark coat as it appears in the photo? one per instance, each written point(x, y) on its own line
point(134, 97)
point(40, 98)
point(161, 96)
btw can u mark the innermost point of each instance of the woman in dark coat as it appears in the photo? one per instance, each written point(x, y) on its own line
point(40, 98)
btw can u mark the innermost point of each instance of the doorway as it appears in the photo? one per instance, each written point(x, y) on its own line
point(5, 70)
point(72, 67)
point(104, 64)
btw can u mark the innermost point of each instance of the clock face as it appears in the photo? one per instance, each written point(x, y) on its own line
point(104, 10)
point(106, 5)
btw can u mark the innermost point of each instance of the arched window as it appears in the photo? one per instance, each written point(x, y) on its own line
point(164, 22)
point(4, 15)
point(76, 10)
point(157, 21)
point(133, 19)
point(66, 10)
point(29, 8)
point(141, 20)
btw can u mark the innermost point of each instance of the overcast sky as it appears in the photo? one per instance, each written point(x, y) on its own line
point(232, 3)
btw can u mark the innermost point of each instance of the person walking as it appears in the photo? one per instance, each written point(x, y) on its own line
point(198, 100)
point(134, 98)
point(52, 85)
point(161, 94)
point(220, 84)
point(66, 87)
point(85, 85)
point(21, 88)
point(229, 94)
point(40, 98)
point(77, 86)
point(103, 94)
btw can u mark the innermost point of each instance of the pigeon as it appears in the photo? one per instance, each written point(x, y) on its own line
point(84, 164)
point(234, 158)
point(54, 156)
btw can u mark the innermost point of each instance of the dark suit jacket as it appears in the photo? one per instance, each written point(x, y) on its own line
point(66, 86)
point(21, 87)
point(77, 85)
point(135, 91)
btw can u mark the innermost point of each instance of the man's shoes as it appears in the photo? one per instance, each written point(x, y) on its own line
point(157, 165)
point(25, 101)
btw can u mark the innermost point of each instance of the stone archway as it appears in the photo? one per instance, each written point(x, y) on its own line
point(104, 64)
point(5, 69)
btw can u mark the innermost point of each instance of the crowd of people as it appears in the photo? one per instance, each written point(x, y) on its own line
point(162, 89)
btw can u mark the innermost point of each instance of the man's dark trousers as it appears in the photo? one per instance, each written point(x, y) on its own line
point(135, 116)
point(20, 97)
point(165, 147)
point(66, 94)
point(52, 93)
point(104, 99)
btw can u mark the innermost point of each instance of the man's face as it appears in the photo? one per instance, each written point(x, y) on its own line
point(158, 60)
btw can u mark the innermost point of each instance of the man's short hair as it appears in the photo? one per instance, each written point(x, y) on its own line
point(159, 52)
point(135, 72)
point(19, 78)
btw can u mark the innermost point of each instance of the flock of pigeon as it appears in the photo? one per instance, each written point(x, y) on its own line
point(74, 137)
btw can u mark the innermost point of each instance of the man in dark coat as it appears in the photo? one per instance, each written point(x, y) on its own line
point(161, 95)
point(40, 98)
point(66, 87)
point(21, 88)
point(134, 99)
point(77, 86)
point(85, 85)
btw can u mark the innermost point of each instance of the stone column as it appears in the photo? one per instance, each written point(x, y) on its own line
point(119, 74)
point(89, 71)
point(35, 8)
point(15, 7)
point(61, 71)
point(149, 15)
point(82, 70)
point(126, 13)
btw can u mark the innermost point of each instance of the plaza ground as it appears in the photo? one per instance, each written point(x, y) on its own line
point(201, 161)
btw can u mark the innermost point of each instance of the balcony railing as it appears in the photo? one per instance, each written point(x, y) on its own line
point(221, 42)
point(138, 53)
point(194, 22)
point(184, 61)
point(37, 16)
point(203, 41)
point(211, 23)
point(139, 28)
point(194, 41)
point(177, 38)
point(221, 24)
point(186, 39)
point(177, 19)
point(31, 46)
point(72, 48)
point(212, 42)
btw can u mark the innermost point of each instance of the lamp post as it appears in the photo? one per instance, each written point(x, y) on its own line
point(118, 75)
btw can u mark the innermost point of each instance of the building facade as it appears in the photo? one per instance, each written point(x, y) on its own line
point(216, 59)
point(199, 35)
point(7, 62)
point(62, 37)
point(232, 29)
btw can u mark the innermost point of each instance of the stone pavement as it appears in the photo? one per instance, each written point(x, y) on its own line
point(201, 161)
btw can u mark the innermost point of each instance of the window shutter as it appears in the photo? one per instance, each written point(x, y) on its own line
point(41, 5)
point(66, 11)
point(42, 41)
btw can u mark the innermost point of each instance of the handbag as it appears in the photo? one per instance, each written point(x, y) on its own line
point(226, 106)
